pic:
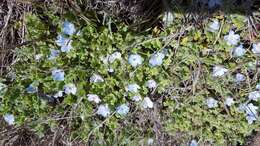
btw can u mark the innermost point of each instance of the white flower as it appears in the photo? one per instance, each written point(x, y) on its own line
point(137, 98)
point(38, 57)
point(193, 143)
point(70, 89)
point(151, 84)
point(238, 51)
point(110, 70)
point(114, 56)
point(9, 118)
point(132, 88)
point(229, 101)
point(256, 48)
point(147, 103)
point(168, 18)
point(156, 59)
point(58, 75)
point(95, 78)
point(219, 71)
point(68, 28)
point(122, 110)
point(103, 110)
point(214, 26)
point(232, 38)
point(135, 60)
point(94, 98)
point(254, 95)
point(257, 86)
point(58, 94)
point(240, 77)
point(150, 141)
point(212, 103)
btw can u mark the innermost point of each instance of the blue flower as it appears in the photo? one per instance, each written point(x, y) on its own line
point(122, 110)
point(232, 38)
point(70, 89)
point(156, 59)
point(193, 143)
point(9, 118)
point(219, 71)
point(240, 77)
point(133, 88)
point(214, 26)
point(31, 89)
point(256, 48)
point(58, 75)
point(68, 28)
point(103, 110)
point(64, 43)
point(212, 103)
point(135, 60)
point(238, 51)
point(54, 54)
point(229, 101)
point(255, 95)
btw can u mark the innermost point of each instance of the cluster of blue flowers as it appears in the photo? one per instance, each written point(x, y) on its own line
point(233, 39)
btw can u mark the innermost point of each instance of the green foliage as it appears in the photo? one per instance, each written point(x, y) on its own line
point(186, 75)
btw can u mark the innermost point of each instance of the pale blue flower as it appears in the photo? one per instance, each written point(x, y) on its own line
point(9, 118)
point(240, 78)
point(168, 18)
point(95, 78)
point(193, 143)
point(232, 38)
point(135, 60)
point(136, 98)
point(31, 89)
point(251, 112)
point(238, 51)
point(258, 86)
point(132, 88)
point(54, 54)
point(103, 110)
point(147, 103)
point(70, 89)
point(212, 103)
point(122, 109)
point(58, 75)
point(64, 43)
point(68, 28)
point(150, 141)
point(214, 26)
point(214, 3)
point(38, 57)
point(151, 84)
point(251, 118)
point(58, 94)
point(156, 59)
point(255, 95)
point(256, 48)
point(114, 56)
point(229, 101)
point(219, 71)
point(94, 98)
